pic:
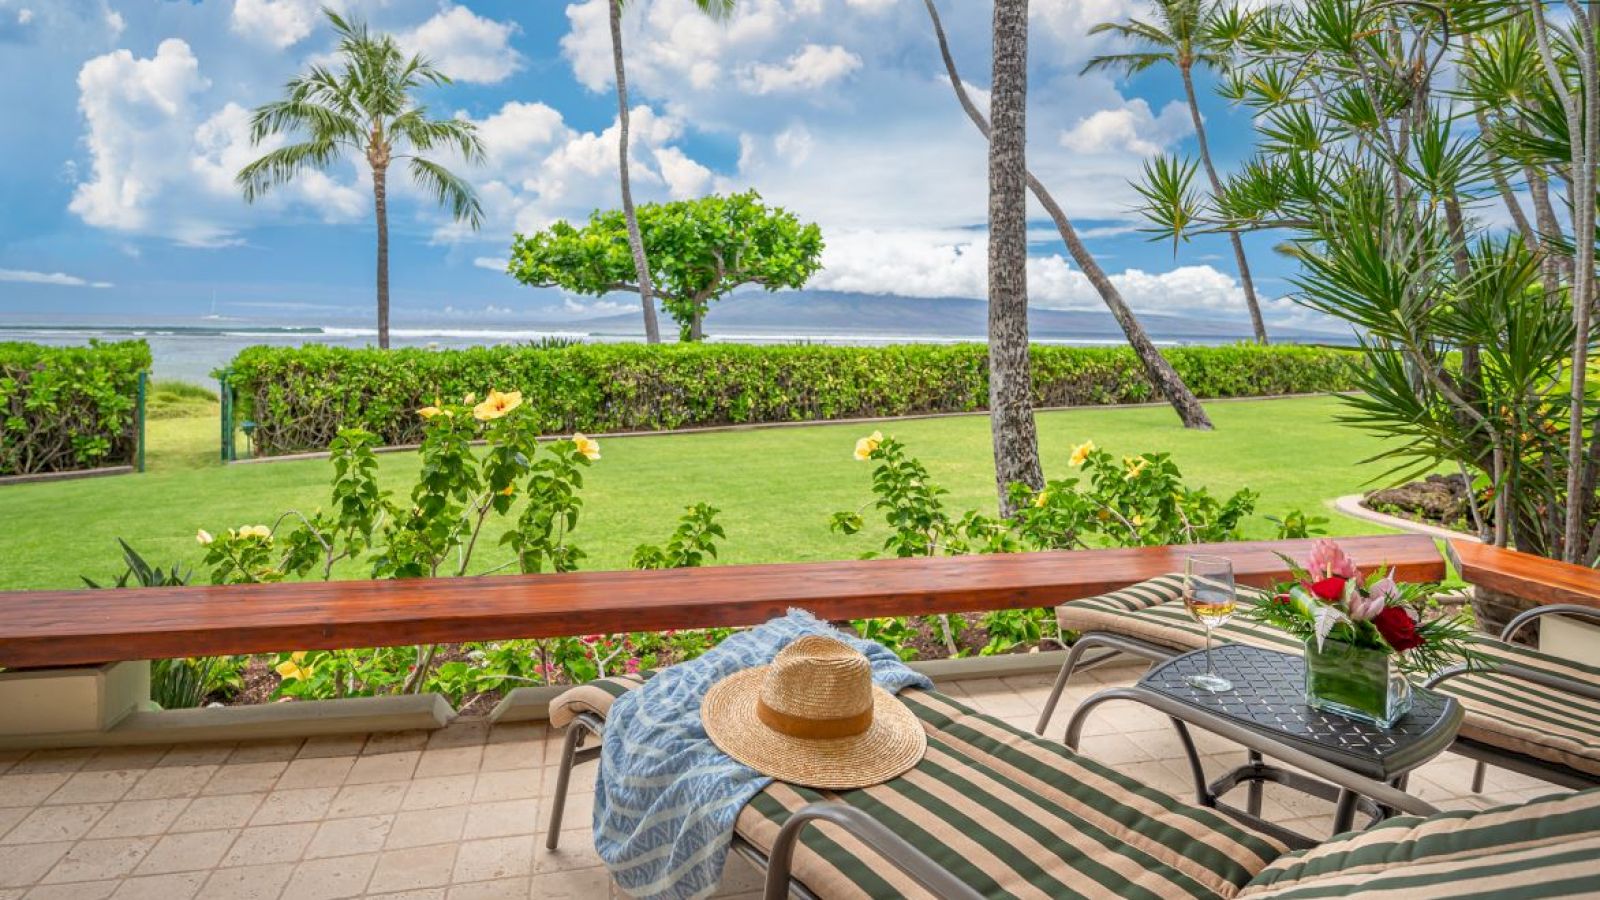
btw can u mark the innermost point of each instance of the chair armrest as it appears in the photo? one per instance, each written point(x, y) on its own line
point(935, 878)
point(1553, 609)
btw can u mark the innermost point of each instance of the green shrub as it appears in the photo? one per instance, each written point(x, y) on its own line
point(68, 408)
point(300, 397)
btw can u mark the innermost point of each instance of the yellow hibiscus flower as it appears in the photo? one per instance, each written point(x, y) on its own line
point(1135, 465)
point(588, 446)
point(508, 490)
point(293, 668)
point(1081, 453)
point(497, 404)
point(203, 537)
point(1137, 520)
point(866, 445)
point(428, 412)
point(256, 531)
point(1041, 498)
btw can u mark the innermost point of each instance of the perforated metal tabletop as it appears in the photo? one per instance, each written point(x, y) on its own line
point(1269, 695)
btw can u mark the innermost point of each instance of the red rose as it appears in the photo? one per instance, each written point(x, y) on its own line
point(1395, 624)
point(1328, 589)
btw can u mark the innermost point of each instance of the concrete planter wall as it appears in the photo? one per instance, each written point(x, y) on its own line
point(76, 699)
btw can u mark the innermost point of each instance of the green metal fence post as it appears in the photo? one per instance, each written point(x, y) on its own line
point(144, 381)
point(225, 397)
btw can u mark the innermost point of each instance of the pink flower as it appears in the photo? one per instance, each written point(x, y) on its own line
point(631, 666)
point(590, 639)
point(1368, 606)
point(1327, 560)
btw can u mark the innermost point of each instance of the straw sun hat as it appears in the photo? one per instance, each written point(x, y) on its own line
point(814, 718)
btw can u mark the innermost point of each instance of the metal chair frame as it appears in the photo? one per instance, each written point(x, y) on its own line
point(936, 879)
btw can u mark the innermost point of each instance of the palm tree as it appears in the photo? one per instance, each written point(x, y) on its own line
point(1016, 440)
point(1166, 380)
point(365, 107)
point(1188, 33)
point(716, 9)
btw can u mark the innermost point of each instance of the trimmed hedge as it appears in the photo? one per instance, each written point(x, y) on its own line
point(300, 397)
point(69, 408)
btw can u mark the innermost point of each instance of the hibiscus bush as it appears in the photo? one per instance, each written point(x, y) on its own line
point(1135, 501)
point(532, 487)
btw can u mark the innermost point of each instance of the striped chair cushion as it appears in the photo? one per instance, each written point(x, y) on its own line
point(1509, 713)
point(1009, 813)
point(594, 697)
point(1153, 611)
point(1545, 848)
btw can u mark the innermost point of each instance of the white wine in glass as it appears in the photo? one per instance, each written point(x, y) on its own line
point(1210, 595)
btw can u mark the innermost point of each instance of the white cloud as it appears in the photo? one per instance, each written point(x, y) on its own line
point(954, 263)
point(136, 113)
point(1130, 129)
point(685, 178)
point(160, 167)
point(811, 67)
point(465, 46)
point(24, 16)
point(280, 23)
point(492, 263)
point(26, 277)
point(539, 169)
point(114, 22)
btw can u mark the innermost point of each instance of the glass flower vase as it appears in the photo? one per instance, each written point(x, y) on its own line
point(1360, 683)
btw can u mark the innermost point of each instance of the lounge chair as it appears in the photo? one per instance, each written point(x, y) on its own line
point(1534, 713)
point(993, 811)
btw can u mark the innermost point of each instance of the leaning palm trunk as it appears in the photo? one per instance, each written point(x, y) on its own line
point(1166, 380)
point(1257, 324)
point(641, 265)
point(1016, 441)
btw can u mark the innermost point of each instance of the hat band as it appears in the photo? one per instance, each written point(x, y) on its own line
point(813, 729)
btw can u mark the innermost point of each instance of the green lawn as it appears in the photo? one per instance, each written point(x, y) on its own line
point(776, 486)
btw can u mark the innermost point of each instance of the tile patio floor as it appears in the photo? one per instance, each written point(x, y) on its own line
point(451, 814)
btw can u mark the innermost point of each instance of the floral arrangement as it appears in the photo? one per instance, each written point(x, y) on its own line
point(1330, 599)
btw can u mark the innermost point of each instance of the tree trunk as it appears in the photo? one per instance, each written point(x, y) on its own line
point(1162, 376)
point(697, 324)
point(380, 200)
point(1583, 222)
point(1256, 322)
point(641, 265)
point(1016, 442)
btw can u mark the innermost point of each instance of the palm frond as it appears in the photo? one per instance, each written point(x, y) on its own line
point(425, 134)
point(281, 165)
point(447, 189)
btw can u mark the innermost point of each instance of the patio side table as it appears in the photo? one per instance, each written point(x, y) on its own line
point(1267, 707)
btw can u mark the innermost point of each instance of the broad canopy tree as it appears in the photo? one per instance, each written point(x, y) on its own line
point(699, 251)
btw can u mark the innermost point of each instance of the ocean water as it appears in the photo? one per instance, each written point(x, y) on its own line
point(194, 349)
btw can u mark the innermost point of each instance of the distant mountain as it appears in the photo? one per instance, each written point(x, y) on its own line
point(836, 314)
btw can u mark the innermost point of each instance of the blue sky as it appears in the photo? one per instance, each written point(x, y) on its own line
point(126, 124)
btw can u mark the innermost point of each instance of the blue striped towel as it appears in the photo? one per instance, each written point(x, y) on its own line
point(666, 798)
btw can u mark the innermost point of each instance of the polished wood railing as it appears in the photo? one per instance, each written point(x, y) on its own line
point(1523, 575)
point(55, 628)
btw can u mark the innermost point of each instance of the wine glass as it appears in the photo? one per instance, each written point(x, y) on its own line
point(1209, 593)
